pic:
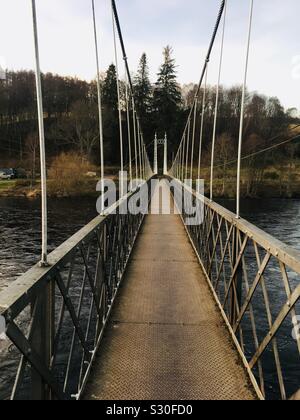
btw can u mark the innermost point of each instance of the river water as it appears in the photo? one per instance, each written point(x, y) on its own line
point(20, 230)
point(20, 235)
point(20, 240)
point(279, 218)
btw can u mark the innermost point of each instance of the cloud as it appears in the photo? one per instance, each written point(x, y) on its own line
point(66, 38)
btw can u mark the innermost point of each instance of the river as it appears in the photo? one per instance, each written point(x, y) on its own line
point(279, 218)
point(20, 241)
point(20, 235)
point(20, 230)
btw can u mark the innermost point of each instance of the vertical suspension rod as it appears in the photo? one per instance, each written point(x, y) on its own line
point(119, 108)
point(44, 258)
point(99, 104)
point(238, 192)
point(212, 42)
point(202, 124)
point(217, 108)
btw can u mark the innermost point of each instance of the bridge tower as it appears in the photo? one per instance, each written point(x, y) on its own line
point(161, 142)
point(165, 155)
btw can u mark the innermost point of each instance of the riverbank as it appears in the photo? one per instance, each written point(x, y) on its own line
point(24, 189)
point(270, 183)
point(273, 181)
point(269, 189)
point(71, 177)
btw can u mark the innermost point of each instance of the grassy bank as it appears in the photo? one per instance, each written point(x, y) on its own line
point(68, 176)
point(25, 189)
point(272, 182)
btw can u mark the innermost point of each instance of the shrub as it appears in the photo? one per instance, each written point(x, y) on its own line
point(67, 174)
point(272, 175)
point(23, 183)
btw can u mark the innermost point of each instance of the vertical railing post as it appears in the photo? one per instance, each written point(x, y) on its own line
point(237, 284)
point(42, 340)
point(155, 156)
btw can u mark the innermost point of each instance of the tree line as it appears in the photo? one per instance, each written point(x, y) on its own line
point(71, 116)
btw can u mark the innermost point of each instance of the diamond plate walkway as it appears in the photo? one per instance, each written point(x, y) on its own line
point(166, 339)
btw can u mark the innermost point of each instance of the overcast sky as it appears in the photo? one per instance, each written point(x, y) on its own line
point(66, 39)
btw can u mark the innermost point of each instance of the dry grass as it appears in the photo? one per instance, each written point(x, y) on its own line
point(5, 185)
point(68, 175)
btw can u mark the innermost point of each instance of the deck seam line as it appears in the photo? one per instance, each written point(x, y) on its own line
point(165, 324)
point(161, 260)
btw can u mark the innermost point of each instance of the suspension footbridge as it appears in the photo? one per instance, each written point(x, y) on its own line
point(166, 339)
point(151, 306)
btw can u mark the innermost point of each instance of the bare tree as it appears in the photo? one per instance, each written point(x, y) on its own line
point(291, 152)
point(256, 164)
point(224, 152)
point(81, 128)
point(32, 150)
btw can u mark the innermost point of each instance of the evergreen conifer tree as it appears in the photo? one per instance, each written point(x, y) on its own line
point(143, 89)
point(167, 94)
point(109, 89)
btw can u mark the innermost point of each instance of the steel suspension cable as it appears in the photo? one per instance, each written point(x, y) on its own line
point(238, 192)
point(117, 22)
point(211, 45)
point(99, 104)
point(217, 107)
point(118, 27)
point(44, 258)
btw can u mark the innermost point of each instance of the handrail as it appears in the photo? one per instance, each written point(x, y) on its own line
point(255, 280)
point(277, 248)
point(21, 288)
point(56, 316)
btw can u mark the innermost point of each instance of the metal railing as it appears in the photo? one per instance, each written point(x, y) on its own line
point(55, 316)
point(256, 282)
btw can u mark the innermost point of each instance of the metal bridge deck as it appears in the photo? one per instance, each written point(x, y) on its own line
point(166, 339)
